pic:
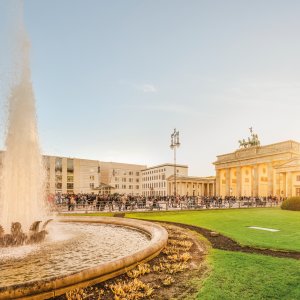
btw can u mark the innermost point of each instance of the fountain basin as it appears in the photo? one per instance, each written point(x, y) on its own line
point(57, 285)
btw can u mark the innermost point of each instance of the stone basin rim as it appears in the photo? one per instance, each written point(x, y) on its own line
point(55, 286)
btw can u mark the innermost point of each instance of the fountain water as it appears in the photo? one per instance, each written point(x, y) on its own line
point(22, 174)
point(96, 249)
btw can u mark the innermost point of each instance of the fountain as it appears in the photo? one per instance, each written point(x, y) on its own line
point(77, 252)
point(22, 174)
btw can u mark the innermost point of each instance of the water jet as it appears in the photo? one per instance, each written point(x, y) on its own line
point(33, 263)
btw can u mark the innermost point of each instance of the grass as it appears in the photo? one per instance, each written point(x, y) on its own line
point(234, 223)
point(250, 276)
point(238, 275)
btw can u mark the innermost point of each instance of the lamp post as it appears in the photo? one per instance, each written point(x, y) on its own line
point(174, 144)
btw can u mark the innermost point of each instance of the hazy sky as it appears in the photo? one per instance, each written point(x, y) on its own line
point(112, 78)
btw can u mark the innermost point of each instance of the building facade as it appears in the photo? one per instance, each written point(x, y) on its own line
point(75, 175)
point(259, 170)
point(125, 178)
point(154, 179)
point(192, 186)
point(71, 175)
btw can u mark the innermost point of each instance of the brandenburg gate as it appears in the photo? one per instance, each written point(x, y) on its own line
point(255, 170)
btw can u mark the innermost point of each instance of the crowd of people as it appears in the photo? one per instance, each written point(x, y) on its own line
point(123, 202)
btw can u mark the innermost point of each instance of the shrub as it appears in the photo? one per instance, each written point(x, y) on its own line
point(292, 203)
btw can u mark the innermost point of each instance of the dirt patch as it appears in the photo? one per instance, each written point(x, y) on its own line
point(176, 273)
point(225, 243)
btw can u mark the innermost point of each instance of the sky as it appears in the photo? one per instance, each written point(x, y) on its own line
point(112, 79)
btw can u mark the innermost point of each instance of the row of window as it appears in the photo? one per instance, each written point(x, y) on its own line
point(58, 178)
point(124, 187)
point(58, 165)
point(154, 185)
point(124, 172)
point(116, 179)
point(58, 185)
point(154, 171)
point(156, 177)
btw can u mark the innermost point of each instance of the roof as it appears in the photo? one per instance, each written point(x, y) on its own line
point(165, 165)
point(194, 178)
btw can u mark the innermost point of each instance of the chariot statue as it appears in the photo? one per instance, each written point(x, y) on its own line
point(253, 141)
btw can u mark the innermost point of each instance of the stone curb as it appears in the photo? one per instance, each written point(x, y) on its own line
point(55, 286)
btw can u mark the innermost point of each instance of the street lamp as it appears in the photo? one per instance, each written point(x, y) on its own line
point(174, 144)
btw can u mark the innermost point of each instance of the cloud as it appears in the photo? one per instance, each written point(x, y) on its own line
point(144, 87)
point(147, 88)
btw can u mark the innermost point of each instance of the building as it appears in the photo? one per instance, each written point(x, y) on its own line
point(125, 178)
point(192, 186)
point(255, 170)
point(76, 175)
point(72, 175)
point(154, 179)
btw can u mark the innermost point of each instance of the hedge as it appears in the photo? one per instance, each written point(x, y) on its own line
point(292, 203)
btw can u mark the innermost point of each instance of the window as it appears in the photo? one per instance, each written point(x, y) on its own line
point(124, 186)
point(58, 164)
point(58, 185)
point(298, 178)
point(70, 178)
point(123, 179)
point(137, 180)
point(92, 177)
point(137, 187)
point(116, 186)
point(70, 186)
point(130, 179)
point(297, 191)
point(130, 173)
point(137, 173)
point(116, 179)
point(130, 187)
point(70, 165)
point(92, 185)
point(58, 178)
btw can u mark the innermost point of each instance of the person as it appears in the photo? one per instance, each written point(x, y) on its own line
point(72, 202)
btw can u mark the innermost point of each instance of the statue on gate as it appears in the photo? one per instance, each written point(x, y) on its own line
point(252, 142)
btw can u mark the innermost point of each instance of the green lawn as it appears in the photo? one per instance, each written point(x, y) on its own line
point(238, 275)
point(234, 223)
point(250, 276)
